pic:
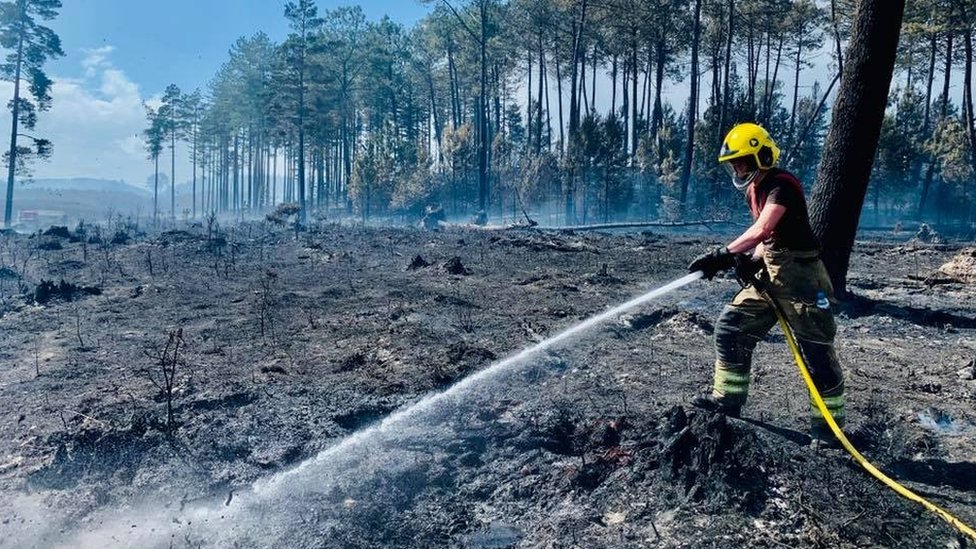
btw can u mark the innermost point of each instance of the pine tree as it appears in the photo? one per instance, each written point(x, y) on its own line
point(154, 136)
point(173, 121)
point(32, 44)
point(298, 48)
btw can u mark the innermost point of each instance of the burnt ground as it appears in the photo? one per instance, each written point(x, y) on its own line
point(290, 344)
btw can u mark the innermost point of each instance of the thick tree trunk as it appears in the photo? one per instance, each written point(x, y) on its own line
point(850, 147)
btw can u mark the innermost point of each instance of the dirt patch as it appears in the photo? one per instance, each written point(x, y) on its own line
point(961, 268)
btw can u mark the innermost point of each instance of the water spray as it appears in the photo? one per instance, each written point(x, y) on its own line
point(220, 523)
point(481, 376)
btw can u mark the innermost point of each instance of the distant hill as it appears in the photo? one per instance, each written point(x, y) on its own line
point(79, 199)
point(84, 184)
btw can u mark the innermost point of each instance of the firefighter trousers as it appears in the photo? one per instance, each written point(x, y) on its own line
point(795, 279)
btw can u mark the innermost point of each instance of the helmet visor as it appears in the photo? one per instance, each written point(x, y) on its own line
point(742, 170)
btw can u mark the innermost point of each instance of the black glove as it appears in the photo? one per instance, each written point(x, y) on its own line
point(719, 259)
point(747, 268)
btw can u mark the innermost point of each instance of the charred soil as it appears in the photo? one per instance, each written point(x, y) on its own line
point(291, 342)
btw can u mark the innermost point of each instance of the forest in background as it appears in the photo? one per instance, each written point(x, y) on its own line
point(491, 105)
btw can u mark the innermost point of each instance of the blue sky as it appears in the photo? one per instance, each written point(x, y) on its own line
point(182, 41)
point(121, 54)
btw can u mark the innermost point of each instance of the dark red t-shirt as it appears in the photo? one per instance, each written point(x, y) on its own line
point(793, 231)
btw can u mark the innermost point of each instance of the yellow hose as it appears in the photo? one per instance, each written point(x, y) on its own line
point(891, 483)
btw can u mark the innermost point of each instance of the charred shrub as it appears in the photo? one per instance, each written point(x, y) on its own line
point(48, 290)
point(455, 267)
point(562, 431)
point(50, 245)
point(59, 232)
point(121, 237)
point(284, 213)
point(701, 457)
point(418, 263)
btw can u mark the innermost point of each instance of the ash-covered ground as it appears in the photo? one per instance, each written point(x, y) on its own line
point(254, 387)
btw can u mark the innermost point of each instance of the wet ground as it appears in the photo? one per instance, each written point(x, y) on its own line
point(118, 429)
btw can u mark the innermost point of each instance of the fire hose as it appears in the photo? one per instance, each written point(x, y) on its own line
point(839, 433)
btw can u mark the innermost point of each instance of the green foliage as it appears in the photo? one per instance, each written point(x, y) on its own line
point(949, 147)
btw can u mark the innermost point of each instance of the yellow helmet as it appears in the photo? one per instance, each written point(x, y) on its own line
point(752, 143)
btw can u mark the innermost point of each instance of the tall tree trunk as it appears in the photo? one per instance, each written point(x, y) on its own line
point(250, 168)
point(692, 110)
point(538, 112)
point(545, 77)
point(237, 203)
point(193, 156)
point(724, 109)
point(850, 147)
point(583, 98)
point(559, 94)
point(750, 60)
point(767, 86)
point(455, 100)
point(967, 91)
point(529, 121)
point(944, 103)
point(172, 176)
point(574, 111)
point(772, 86)
point(613, 85)
point(155, 189)
point(15, 119)
point(796, 92)
point(433, 110)
point(833, 21)
point(482, 113)
point(657, 114)
point(593, 82)
point(635, 71)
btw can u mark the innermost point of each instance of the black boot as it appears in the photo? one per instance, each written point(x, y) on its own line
point(713, 404)
point(822, 437)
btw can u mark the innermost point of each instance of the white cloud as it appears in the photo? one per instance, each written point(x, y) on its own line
point(95, 59)
point(95, 123)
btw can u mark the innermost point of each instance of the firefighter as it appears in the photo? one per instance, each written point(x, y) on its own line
point(781, 242)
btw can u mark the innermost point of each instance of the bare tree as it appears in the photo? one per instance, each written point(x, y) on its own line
point(162, 373)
